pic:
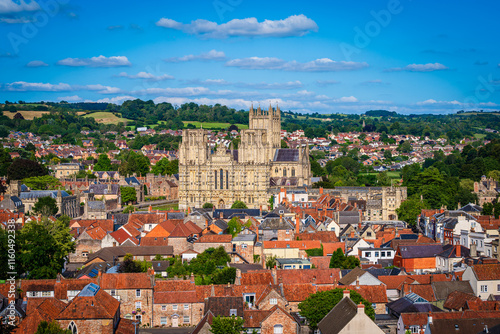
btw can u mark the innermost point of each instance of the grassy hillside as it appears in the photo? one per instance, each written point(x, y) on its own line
point(106, 117)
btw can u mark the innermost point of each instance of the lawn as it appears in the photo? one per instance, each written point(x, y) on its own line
point(479, 135)
point(106, 117)
point(214, 126)
point(173, 206)
point(27, 114)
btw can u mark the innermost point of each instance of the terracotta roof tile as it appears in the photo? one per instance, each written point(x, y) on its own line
point(321, 262)
point(329, 248)
point(487, 272)
point(176, 297)
point(323, 236)
point(216, 238)
point(96, 233)
point(126, 281)
point(317, 276)
point(257, 277)
point(300, 244)
point(457, 300)
point(100, 306)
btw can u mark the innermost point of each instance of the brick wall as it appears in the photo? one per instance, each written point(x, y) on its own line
point(128, 299)
point(88, 326)
point(278, 317)
point(84, 245)
point(167, 310)
point(179, 244)
point(284, 236)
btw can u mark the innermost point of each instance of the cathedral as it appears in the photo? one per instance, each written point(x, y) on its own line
point(246, 174)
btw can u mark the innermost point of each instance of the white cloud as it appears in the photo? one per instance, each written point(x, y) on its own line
point(210, 55)
point(71, 98)
point(429, 67)
point(432, 101)
point(146, 76)
point(187, 91)
point(101, 61)
point(16, 20)
point(318, 65)
point(23, 86)
point(348, 99)
point(9, 6)
point(116, 99)
point(295, 25)
point(36, 63)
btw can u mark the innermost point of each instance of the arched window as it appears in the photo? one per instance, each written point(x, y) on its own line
point(276, 170)
point(72, 328)
point(278, 329)
point(293, 172)
point(215, 179)
point(284, 171)
point(221, 179)
point(227, 179)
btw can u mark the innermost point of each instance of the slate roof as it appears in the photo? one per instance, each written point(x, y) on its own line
point(175, 215)
point(443, 289)
point(473, 326)
point(34, 194)
point(160, 265)
point(132, 181)
point(109, 253)
point(338, 317)
point(474, 208)
point(276, 224)
point(227, 213)
point(412, 303)
point(450, 251)
point(420, 251)
point(96, 206)
point(102, 189)
point(221, 306)
point(286, 154)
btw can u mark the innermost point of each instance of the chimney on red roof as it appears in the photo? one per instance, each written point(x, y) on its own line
point(189, 210)
point(150, 208)
point(321, 190)
point(458, 250)
point(360, 216)
point(260, 210)
point(361, 308)
point(293, 197)
point(257, 232)
point(192, 278)
point(347, 294)
point(352, 234)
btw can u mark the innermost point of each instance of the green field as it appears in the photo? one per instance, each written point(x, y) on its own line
point(106, 117)
point(479, 135)
point(391, 174)
point(174, 206)
point(214, 126)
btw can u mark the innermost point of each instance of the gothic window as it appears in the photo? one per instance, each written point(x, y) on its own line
point(293, 172)
point(227, 179)
point(72, 328)
point(284, 172)
point(215, 173)
point(221, 179)
point(276, 170)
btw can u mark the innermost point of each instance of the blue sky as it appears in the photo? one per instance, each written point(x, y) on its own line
point(315, 56)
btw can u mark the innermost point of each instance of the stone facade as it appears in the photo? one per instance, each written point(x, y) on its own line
point(89, 326)
point(279, 318)
point(66, 170)
point(246, 174)
point(159, 185)
point(486, 190)
point(175, 314)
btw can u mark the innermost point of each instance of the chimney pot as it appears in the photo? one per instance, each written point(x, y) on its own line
point(347, 294)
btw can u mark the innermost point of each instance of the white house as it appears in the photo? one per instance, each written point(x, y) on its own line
point(484, 279)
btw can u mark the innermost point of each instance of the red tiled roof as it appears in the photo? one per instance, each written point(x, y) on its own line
point(423, 290)
point(483, 305)
point(126, 281)
point(329, 248)
point(257, 277)
point(317, 276)
point(176, 297)
point(193, 227)
point(174, 285)
point(487, 272)
point(321, 262)
point(158, 231)
point(96, 233)
point(216, 238)
point(323, 236)
point(372, 293)
point(181, 231)
point(121, 236)
point(300, 244)
point(46, 309)
point(253, 318)
point(100, 306)
point(457, 300)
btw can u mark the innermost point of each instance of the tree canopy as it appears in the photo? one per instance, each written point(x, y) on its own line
point(46, 206)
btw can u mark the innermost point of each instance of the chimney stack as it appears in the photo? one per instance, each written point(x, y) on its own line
point(473, 250)
point(221, 215)
point(297, 224)
point(347, 293)
point(429, 318)
point(150, 208)
point(361, 308)
point(458, 250)
point(321, 190)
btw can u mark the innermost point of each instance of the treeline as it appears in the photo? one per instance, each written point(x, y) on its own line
point(150, 113)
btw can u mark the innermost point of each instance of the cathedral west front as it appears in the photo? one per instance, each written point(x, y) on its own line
point(226, 175)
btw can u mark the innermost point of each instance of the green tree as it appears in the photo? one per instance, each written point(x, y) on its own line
point(128, 195)
point(208, 206)
point(284, 144)
point(410, 209)
point(227, 325)
point(383, 179)
point(494, 174)
point(270, 262)
point(46, 206)
point(234, 226)
point(129, 209)
point(103, 163)
point(405, 147)
point(388, 155)
point(224, 276)
point(129, 265)
point(337, 258)
point(52, 327)
point(45, 182)
point(315, 307)
point(239, 205)
point(43, 248)
point(487, 209)
point(24, 168)
point(166, 167)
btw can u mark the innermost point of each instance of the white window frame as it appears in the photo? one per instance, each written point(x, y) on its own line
point(184, 319)
point(138, 292)
point(174, 307)
point(273, 301)
point(484, 288)
point(163, 320)
point(186, 306)
point(138, 305)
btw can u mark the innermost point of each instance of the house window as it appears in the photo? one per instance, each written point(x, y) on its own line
point(278, 329)
point(85, 254)
point(368, 254)
point(243, 246)
point(233, 312)
point(186, 319)
point(72, 328)
point(137, 304)
point(164, 307)
point(273, 301)
point(138, 292)
point(415, 329)
point(498, 287)
point(186, 306)
point(382, 254)
point(388, 254)
point(369, 234)
point(484, 288)
point(249, 298)
point(163, 320)
point(376, 254)
point(174, 307)
point(47, 293)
